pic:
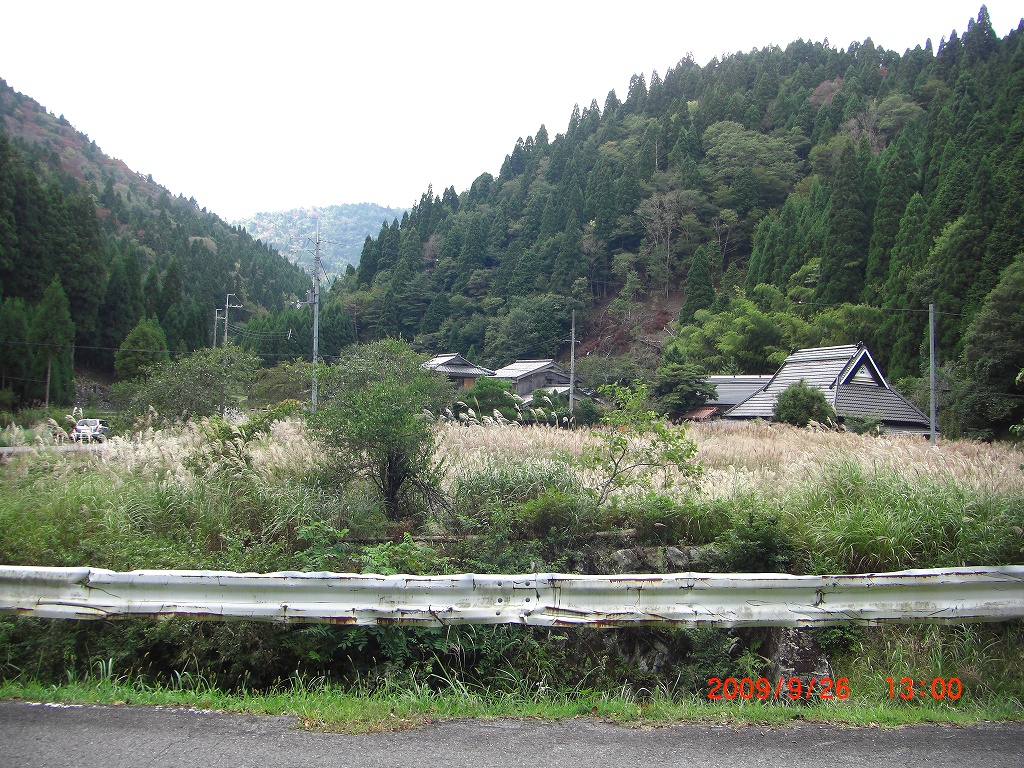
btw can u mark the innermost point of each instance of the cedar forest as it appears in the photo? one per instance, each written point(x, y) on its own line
point(709, 222)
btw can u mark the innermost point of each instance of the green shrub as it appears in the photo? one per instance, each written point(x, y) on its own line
point(760, 545)
point(557, 514)
point(800, 404)
point(505, 485)
point(661, 519)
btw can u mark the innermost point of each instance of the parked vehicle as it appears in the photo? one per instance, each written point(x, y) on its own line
point(91, 430)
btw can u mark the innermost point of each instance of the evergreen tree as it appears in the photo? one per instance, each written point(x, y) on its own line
point(700, 291)
point(9, 254)
point(897, 187)
point(151, 291)
point(571, 262)
point(14, 351)
point(902, 331)
point(845, 248)
point(601, 199)
point(52, 335)
point(993, 352)
point(122, 305)
point(172, 292)
point(142, 351)
point(367, 263)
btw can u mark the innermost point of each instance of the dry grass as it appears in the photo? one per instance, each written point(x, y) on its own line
point(736, 456)
point(739, 456)
point(163, 453)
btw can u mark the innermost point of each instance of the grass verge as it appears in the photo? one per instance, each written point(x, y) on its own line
point(322, 707)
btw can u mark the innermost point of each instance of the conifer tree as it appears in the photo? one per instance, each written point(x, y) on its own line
point(993, 352)
point(52, 335)
point(122, 305)
point(570, 262)
point(845, 248)
point(902, 331)
point(14, 352)
point(151, 291)
point(700, 291)
point(897, 187)
point(367, 263)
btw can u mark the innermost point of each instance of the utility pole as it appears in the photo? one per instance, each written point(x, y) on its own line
point(931, 355)
point(216, 324)
point(313, 297)
point(572, 363)
point(228, 305)
point(316, 310)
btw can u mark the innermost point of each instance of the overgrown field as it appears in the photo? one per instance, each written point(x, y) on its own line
point(515, 499)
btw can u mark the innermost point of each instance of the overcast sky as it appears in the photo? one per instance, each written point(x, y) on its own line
point(262, 106)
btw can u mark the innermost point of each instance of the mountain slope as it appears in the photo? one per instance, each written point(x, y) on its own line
point(343, 229)
point(829, 194)
point(119, 246)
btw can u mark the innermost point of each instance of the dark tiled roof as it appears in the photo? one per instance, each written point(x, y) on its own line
point(850, 380)
point(521, 368)
point(454, 364)
point(735, 389)
point(873, 402)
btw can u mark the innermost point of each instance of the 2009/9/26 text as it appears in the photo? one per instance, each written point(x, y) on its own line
point(792, 688)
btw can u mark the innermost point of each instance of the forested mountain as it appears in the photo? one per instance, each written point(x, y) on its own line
point(724, 214)
point(710, 221)
point(343, 228)
point(88, 248)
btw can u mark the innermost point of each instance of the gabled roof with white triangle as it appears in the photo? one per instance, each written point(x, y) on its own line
point(849, 378)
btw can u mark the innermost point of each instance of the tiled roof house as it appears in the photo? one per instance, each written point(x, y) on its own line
point(458, 369)
point(852, 383)
point(528, 375)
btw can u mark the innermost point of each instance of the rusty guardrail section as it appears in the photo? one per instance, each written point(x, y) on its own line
point(542, 599)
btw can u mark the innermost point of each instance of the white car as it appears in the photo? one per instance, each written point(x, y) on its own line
point(89, 430)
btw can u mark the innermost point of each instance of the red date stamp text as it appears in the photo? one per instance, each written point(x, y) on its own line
point(792, 688)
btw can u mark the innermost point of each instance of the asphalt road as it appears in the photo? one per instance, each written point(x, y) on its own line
point(110, 737)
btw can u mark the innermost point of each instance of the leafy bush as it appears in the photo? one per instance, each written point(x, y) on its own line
point(800, 404)
point(557, 514)
point(661, 519)
point(373, 426)
point(196, 385)
point(504, 485)
point(761, 545)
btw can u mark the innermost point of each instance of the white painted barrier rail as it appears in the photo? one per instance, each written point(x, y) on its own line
point(542, 599)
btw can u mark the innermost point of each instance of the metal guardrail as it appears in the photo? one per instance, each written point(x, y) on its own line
point(686, 599)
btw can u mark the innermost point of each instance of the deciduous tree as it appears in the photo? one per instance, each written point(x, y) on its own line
point(373, 426)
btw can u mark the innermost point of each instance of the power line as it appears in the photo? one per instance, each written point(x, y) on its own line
point(69, 347)
point(880, 309)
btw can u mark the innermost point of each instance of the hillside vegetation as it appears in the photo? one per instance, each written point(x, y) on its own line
point(89, 248)
point(729, 212)
point(712, 220)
